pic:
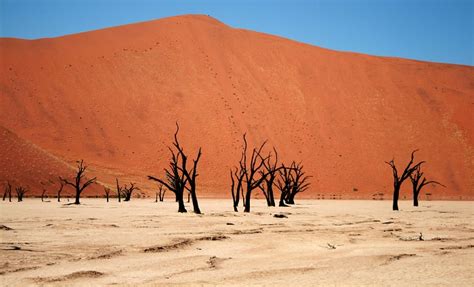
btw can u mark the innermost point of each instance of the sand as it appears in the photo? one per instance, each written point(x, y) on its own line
point(112, 97)
point(324, 243)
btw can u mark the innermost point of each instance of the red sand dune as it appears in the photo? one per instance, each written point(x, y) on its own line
point(112, 96)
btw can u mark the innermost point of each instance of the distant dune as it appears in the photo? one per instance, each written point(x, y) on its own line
point(112, 97)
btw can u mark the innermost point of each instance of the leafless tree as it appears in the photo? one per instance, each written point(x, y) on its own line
point(299, 183)
point(61, 186)
point(237, 177)
point(119, 190)
point(43, 193)
point(418, 182)
point(7, 191)
point(252, 170)
point(178, 177)
point(20, 192)
point(269, 173)
point(78, 186)
point(399, 179)
point(127, 191)
point(284, 184)
point(161, 193)
point(107, 193)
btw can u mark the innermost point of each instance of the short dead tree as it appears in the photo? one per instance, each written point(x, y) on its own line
point(20, 192)
point(107, 193)
point(78, 186)
point(284, 184)
point(418, 182)
point(43, 194)
point(300, 182)
point(127, 191)
point(7, 191)
point(399, 179)
point(179, 178)
point(61, 186)
point(161, 193)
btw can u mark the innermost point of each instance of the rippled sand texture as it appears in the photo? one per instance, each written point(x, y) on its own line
point(313, 243)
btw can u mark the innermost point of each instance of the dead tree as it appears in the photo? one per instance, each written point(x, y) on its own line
point(43, 193)
point(61, 186)
point(119, 190)
point(237, 177)
point(179, 178)
point(78, 186)
point(20, 192)
point(284, 184)
point(107, 192)
point(253, 173)
point(271, 170)
point(7, 191)
point(127, 191)
point(299, 183)
point(418, 182)
point(161, 192)
point(398, 180)
point(175, 180)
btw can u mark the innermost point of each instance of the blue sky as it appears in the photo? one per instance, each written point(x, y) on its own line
point(431, 30)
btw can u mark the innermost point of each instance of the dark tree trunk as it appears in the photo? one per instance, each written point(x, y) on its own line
point(78, 196)
point(156, 197)
point(181, 207)
point(247, 200)
point(415, 198)
point(396, 193)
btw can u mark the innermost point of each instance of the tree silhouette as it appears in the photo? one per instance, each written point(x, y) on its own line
point(269, 174)
point(61, 186)
point(20, 192)
point(78, 186)
point(418, 182)
point(127, 191)
point(161, 193)
point(299, 182)
point(284, 184)
point(178, 177)
point(107, 192)
point(119, 190)
point(398, 180)
point(7, 191)
point(252, 171)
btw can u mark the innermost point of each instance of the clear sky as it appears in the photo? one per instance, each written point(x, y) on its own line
point(431, 30)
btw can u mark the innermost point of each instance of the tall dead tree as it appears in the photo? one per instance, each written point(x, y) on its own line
point(61, 186)
point(418, 182)
point(237, 177)
point(119, 190)
point(270, 168)
point(253, 173)
point(299, 182)
point(78, 186)
point(7, 191)
point(107, 193)
point(179, 178)
point(127, 191)
point(399, 179)
point(20, 192)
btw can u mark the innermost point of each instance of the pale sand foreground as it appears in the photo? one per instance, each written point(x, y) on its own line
point(142, 242)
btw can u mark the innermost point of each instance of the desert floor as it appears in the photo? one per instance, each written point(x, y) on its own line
point(321, 242)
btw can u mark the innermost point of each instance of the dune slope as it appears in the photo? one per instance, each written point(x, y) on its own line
point(112, 97)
